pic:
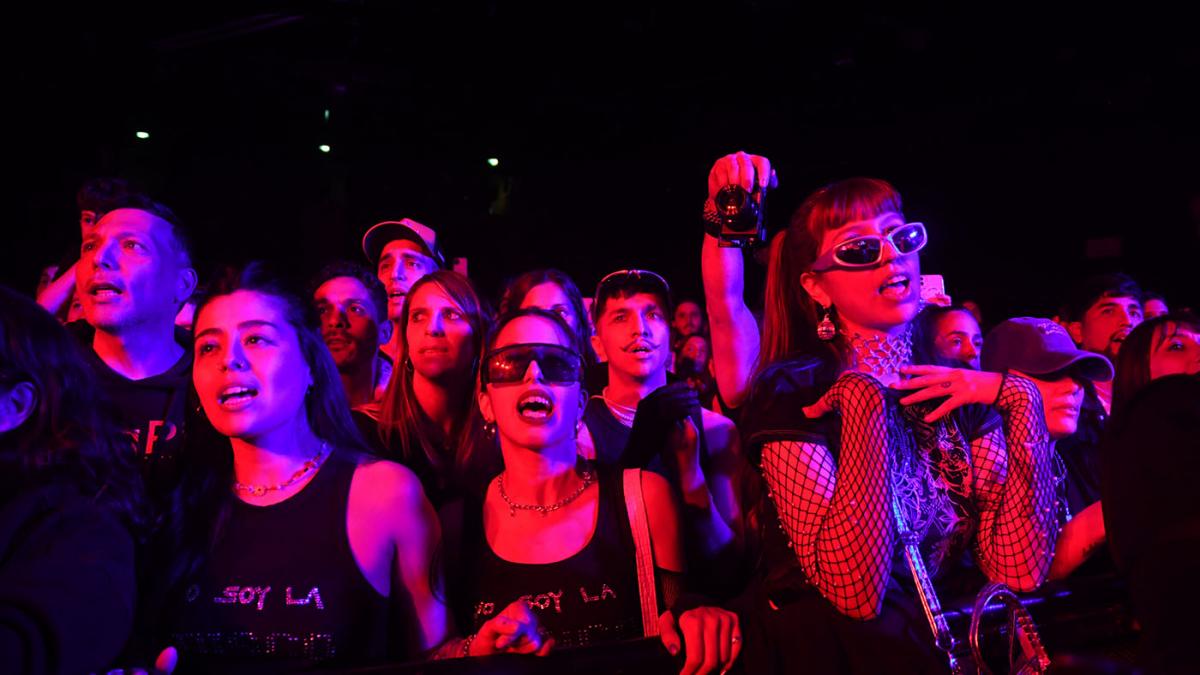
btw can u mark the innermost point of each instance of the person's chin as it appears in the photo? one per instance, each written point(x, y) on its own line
point(536, 437)
point(107, 319)
point(234, 426)
point(1063, 429)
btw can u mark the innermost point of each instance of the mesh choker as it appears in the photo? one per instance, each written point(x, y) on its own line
point(879, 356)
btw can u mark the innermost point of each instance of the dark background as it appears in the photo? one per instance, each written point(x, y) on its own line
point(1018, 134)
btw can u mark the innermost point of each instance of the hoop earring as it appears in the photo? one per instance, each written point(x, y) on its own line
point(826, 330)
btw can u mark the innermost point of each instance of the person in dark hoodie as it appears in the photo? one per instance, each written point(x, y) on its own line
point(133, 275)
point(70, 504)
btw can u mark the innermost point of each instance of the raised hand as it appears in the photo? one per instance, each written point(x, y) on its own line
point(740, 168)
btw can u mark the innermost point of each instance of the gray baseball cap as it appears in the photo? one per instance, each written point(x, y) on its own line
point(1040, 347)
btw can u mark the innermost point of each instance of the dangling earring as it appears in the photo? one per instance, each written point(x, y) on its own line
point(408, 364)
point(489, 429)
point(826, 330)
point(578, 427)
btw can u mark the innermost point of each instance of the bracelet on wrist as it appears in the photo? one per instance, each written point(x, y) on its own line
point(466, 644)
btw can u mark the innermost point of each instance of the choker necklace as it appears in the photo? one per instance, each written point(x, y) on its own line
point(311, 465)
point(588, 476)
point(623, 413)
point(880, 356)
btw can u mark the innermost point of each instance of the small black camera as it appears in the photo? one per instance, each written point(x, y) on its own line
point(740, 215)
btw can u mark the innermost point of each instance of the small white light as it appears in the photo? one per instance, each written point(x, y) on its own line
point(324, 148)
point(143, 135)
point(492, 161)
point(327, 114)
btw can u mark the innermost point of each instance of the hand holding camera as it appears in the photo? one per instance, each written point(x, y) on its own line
point(736, 206)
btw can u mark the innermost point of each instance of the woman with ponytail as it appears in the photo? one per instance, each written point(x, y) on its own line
point(868, 474)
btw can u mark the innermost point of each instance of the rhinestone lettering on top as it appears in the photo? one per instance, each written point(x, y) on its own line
point(312, 646)
point(544, 600)
point(605, 593)
point(313, 597)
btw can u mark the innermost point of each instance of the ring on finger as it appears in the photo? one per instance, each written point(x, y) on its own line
point(945, 385)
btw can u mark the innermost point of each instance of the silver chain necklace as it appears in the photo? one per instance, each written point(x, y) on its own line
point(588, 476)
point(623, 413)
point(310, 465)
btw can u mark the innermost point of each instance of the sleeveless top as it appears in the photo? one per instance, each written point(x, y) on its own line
point(932, 473)
point(282, 590)
point(587, 598)
point(609, 437)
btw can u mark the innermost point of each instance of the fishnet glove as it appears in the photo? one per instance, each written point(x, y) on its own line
point(1014, 487)
point(838, 517)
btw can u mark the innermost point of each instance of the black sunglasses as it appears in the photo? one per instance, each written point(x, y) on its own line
point(508, 365)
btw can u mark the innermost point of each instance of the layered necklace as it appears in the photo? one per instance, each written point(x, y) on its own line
point(880, 355)
point(308, 467)
point(623, 413)
point(588, 475)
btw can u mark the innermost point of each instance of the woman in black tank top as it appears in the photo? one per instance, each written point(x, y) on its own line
point(296, 539)
point(552, 531)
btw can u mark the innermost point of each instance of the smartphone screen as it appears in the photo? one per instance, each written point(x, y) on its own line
point(933, 289)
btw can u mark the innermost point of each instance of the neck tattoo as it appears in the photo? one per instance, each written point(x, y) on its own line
point(880, 356)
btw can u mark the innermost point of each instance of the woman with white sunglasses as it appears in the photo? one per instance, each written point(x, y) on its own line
point(883, 478)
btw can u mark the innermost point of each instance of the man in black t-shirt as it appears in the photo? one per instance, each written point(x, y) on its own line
point(134, 273)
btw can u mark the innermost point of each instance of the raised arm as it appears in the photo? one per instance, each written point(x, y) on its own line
point(57, 293)
point(735, 336)
point(837, 514)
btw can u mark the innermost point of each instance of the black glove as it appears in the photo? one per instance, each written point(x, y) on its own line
point(657, 416)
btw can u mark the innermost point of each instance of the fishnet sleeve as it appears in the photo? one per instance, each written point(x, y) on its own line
point(837, 516)
point(1014, 488)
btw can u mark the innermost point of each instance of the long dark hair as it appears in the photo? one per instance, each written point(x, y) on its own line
point(200, 506)
point(790, 315)
point(1133, 361)
point(573, 341)
point(403, 425)
point(519, 287)
point(925, 332)
point(69, 433)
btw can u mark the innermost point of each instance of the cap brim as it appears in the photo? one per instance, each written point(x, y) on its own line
point(1091, 366)
point(381, 234)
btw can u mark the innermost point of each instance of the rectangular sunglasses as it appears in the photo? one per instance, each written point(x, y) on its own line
point(508, 365)
point(867, 251)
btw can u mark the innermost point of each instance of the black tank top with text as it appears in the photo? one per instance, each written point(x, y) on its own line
point(588, 598)
point(282, 589)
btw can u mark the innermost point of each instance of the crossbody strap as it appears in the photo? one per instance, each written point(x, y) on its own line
point(635, 505)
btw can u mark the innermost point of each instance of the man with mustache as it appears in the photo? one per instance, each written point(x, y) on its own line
point(641, 420)
point(1042, 350)
point(402, 252)
point(134, 273)
point(351, 306)
point(1099, 314)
